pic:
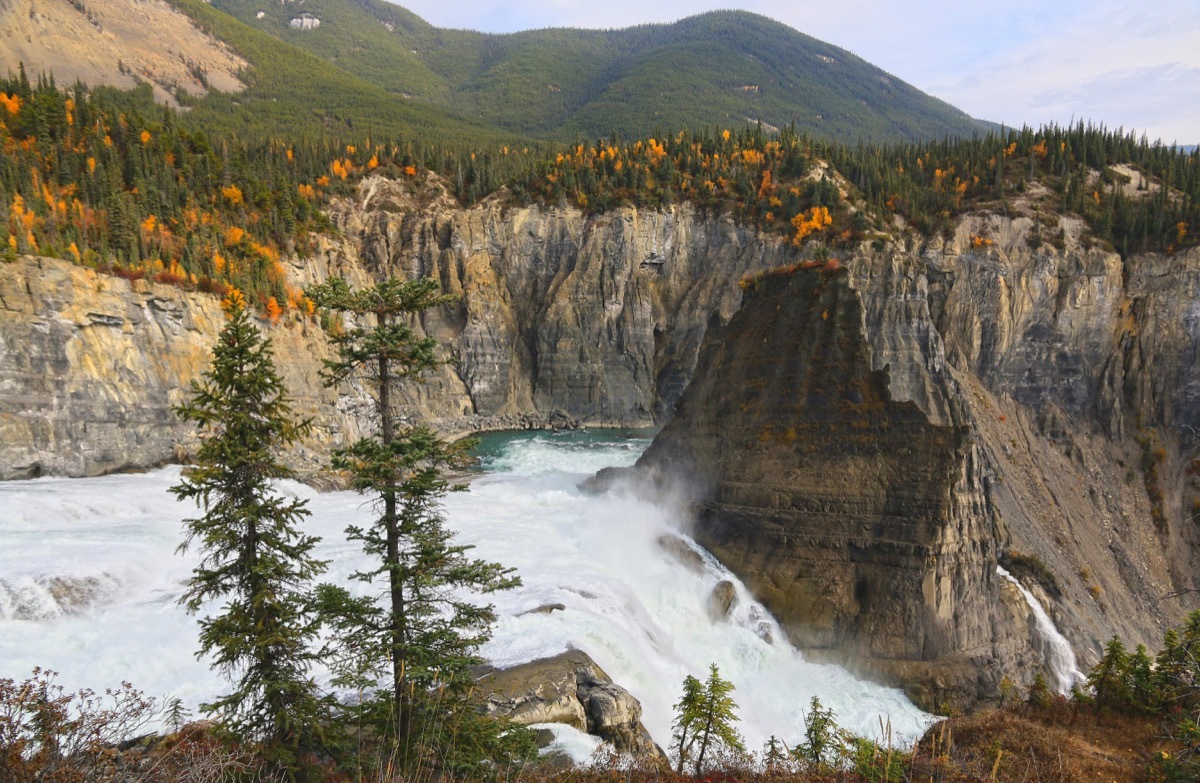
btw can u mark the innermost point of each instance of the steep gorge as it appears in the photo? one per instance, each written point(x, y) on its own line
point(937, 407)
point(867, 445)
point(588, 318)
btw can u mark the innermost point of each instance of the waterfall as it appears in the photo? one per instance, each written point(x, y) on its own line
point(1055, 648)
point(638, 610)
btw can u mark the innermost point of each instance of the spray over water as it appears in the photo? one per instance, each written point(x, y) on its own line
point(640, 612)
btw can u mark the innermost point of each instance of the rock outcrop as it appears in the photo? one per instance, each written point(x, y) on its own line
point(571, 689)
point(866, 445)
point(850, 515)
point(562, 318)
point(92, 365)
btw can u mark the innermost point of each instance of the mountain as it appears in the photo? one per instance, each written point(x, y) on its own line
point(328, 65)
point(719, 69)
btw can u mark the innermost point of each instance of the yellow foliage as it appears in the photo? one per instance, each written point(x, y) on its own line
point(232, 194)
point(233, 299)
point(74, 252)
point(806, 223)
point(765, 187)
point(273, 310)
point(234, 235)
point(13, 104)
point(149, 224)
point(410, 171)
point(752, 157)
point(145, 137)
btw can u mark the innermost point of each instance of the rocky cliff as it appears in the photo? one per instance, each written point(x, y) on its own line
point(937, 408)
point(867, 445)
point(591, 318)
point(91, 366)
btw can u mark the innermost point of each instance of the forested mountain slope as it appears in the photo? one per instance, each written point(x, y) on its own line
point(717, 69)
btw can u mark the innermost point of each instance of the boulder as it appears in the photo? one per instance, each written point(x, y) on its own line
point(721, 600)
point(570, 688)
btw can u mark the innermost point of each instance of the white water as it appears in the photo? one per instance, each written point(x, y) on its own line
point(637, 612)
point(1055, 648)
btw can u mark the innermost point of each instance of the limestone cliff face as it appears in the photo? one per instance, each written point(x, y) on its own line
point(867, 446)
point(591, 318)
point(853, 516)
point(597, 316)
point(92, 365)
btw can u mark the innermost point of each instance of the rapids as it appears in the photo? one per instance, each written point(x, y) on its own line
point(89, 581)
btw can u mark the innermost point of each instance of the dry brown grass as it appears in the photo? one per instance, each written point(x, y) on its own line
point(1063, 743)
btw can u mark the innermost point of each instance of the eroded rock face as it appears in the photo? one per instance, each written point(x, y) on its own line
point(570, 688)
point(91, 367)
point(849, 514)
point(866, 445)
point(562, 319)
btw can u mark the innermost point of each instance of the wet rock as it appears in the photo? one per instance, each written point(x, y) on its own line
point(546, 609)
point(679, 551)
point(721, 600)
point(569, 688)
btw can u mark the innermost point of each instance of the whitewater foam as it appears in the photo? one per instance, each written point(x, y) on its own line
point(638, 612)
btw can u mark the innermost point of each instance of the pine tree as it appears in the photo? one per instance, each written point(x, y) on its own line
point(688, 718)
point(704, 720)
point(254, 558)
point(421, 632)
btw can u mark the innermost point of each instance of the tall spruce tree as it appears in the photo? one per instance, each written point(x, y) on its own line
point(422, 631)
point(254, 558)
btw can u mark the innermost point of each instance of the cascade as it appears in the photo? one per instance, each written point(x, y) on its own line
point(641, 613)
point(1055, 648)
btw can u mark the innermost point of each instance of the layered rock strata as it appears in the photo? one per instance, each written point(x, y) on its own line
point(866, 446)
point(851, 515)
point(562, 318)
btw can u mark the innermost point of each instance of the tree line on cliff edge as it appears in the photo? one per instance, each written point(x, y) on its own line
point(107, 179)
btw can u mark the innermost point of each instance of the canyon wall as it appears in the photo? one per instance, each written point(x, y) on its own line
point(561, 316)
point(864, 449)
point(866, 445)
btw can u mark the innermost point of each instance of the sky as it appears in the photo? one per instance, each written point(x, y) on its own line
point(1125, 63)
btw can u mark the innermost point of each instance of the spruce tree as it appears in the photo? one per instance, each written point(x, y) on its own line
point(704, 720)
point(423, 630)
point(254, 558)
point(1108, 679)
point(688, 718)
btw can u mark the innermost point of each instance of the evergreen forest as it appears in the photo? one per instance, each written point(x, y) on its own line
point(109, 179)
